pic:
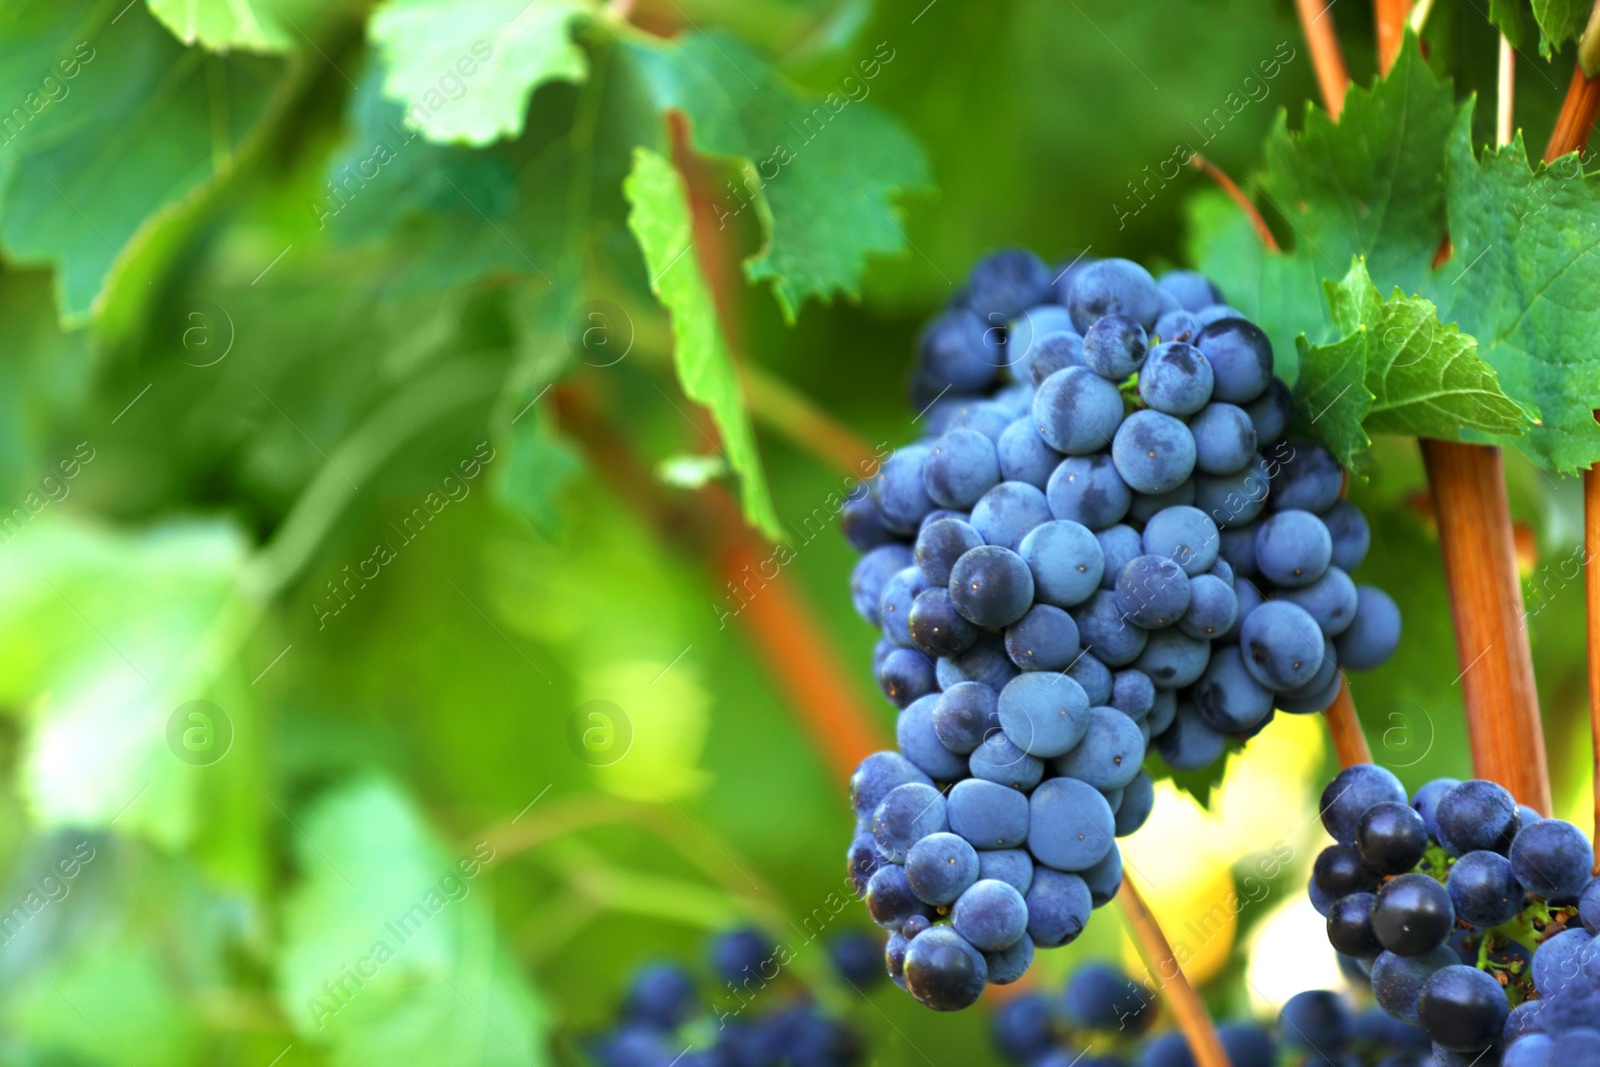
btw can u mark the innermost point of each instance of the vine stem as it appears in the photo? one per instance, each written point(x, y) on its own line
point(1348, 739)
point(1194, 1021)
point(1389, 19)
point(1316, 22)
point(1236, 194)
point(788, 411)
point(1480, 564)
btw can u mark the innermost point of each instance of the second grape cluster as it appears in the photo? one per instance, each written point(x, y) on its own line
point(1106, 541)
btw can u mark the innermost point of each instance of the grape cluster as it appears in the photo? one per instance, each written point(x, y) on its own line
point(663, 1020)
point(1105, 541)
point(1475, 917)
point(1103, 1018)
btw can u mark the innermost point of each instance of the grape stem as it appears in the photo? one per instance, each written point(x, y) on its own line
point(791, 413)
point(1194, 1021)
point(1348, 740)
point(1389, 20)
point(1316, 22)
point(1227, 184)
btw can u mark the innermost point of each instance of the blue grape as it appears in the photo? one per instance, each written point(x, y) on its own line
point(1391, 837)
point(1006, 283)
point(1099, 996)
point(1283, 645)
point(1044, 714)
point(1009, 512)
point(1217, 312)
point(1133, 693)
point(1010, 963)
point(1152, 591)
point(1138, 801)
point(1176, 379)
point(1228, 696)
point(861, 522)
point(1350, 926)
point(960, 467)
point(1589, 907)
point(940, 867)
point(1024, 456)
point(1065, 560)
point(1110, 754)
point(872, 572)
point(987, 417)
point(1484, 889)
point(1331, 600)
point(937, 629)
point(1153, 451)
point(1168, 1050)
point(991, 586)
point(1351, 535)
point(999, 760)
point(1052, 352)
point(1146, 506)
point(739, 953)
point(991, 915)
point(1104, 879)
point(1118, 544)
point(1017, 399)
point(1045, 639)
point(1192, 289)
point(906, 815)
point(1240, 356)
point(1293, 548)
point(876, 776)
point(1427, 800)
point(1178, 326)
point(906, 673)
point(1558, 963)
point(915, 925)
point(1339, 871)
point(1463, 1009)
point(890, 900)
point(988, 815)
point(1224, 438)
point(1190, 743)
point(1164, 711)
point(1173, 659)
point(1076, 411)
point(1070, 825)
point(899, 491)
point(1089, 491)
point(1413, 915)
point(1270, 413)
point(958, 352)
point(1308, 478)
point(1012, 866)
point(1353, 791)
point(943, 971)
point(894, 608)
point(1316, 1019)
point(1027, 330)
point(660, 993)
point(986, 661)
point(857, 958)
point(894, 958)
point(1114, 347)
point(1113, 287)
point(1477, 815)
point(1094, 676)
point(1184, 534)
point(1374, 635)
point(1552, 858)
point(1397, 981)
point(862, 861)
point(1213, 608)
point(1024, 1029)
point(1248, 1044)
point(1236, 499)
point(1058, 907)
point(1104, 631)
point(915, 735)
point(964, 715)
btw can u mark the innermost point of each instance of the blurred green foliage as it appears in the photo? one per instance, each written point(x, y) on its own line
point(304, 415)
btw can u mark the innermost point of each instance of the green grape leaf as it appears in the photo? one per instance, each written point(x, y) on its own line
point(1510, 17)
point(1387, 182)
point(390, 953)
point(223, 24)
point(464, 71)
point(1523, 279)
point(660, 221)
point(821, 175)
point(1397, 370)
point(137, 126)
point(1559, 21)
